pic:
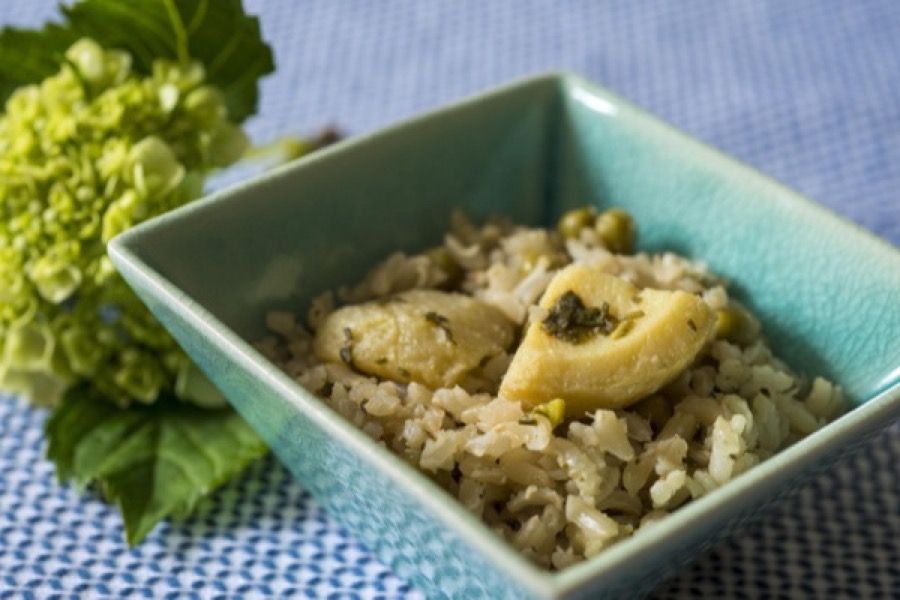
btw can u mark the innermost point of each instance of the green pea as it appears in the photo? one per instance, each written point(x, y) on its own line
point(616, 230)
point(531, 259)
point(571, 223)
point(736, 325)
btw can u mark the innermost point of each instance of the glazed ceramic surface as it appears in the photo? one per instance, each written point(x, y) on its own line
point(827, 292)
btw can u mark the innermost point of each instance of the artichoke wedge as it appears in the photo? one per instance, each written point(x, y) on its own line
point(605, 343)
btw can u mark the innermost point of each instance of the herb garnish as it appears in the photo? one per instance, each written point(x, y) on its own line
point(692, 325)
point(571, 321)
point(622, 329)
point(346, 351)
point(626, 324)
point(439, 320)
point(554, 411)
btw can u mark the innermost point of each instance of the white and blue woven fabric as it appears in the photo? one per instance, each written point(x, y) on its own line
point(808, 91)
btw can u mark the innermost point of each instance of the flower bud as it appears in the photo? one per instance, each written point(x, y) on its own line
point(155, 170)
point(87, 56)
point(55, 274)
point(227, 144)
point(205, 104)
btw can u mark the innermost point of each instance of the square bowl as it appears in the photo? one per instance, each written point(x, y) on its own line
point(825, 290)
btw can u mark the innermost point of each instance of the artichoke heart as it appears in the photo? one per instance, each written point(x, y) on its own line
point(430, 337)
point(605, 343)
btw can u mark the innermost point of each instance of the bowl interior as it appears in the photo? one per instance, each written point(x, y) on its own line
point(825, 290)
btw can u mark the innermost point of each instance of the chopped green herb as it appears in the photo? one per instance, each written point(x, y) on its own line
point(571, 321)
point(555, 411)
point(527, 421)
point(346, 351)
point(622, 329)
point(692, 325)
point(442, 322)
point(381, 361)
point(436, 318)
point(626, 324)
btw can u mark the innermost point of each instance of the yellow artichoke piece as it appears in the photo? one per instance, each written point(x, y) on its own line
point(605, 343)
point(430, 337)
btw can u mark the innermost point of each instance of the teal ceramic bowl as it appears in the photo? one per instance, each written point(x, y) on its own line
point(826, 291)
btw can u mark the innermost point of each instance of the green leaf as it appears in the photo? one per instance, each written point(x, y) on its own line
point(218, 33)
point(152, 461)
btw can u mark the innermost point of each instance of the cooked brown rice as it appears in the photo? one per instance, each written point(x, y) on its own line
point(560, 496)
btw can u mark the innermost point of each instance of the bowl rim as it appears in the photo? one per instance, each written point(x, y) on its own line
point(787, 464)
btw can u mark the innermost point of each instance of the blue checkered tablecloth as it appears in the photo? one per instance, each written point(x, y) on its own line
point(806, 90)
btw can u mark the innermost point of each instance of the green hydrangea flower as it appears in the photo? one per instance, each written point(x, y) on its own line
point(84, 155)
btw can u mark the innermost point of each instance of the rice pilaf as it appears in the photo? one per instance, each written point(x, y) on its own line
point(560, 490)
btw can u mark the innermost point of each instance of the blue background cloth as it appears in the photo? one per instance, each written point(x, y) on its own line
point(807, 91)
